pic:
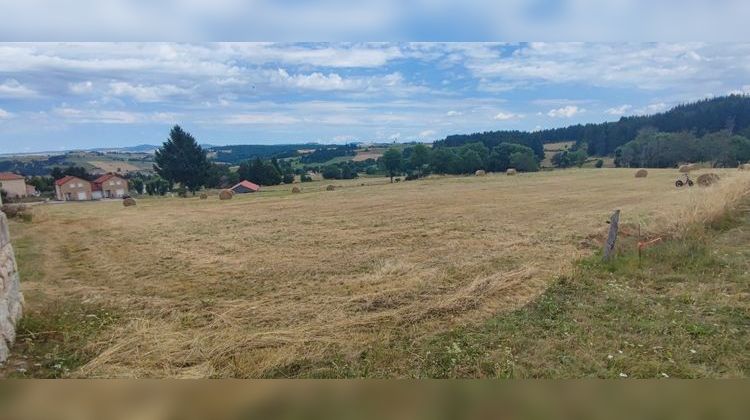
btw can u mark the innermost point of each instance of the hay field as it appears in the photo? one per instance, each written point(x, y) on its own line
point(115, 166)
point(245, 287)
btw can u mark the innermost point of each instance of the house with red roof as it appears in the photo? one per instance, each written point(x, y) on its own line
point(109, 186)
point(245, 187)
point(72, 188)
point(13, 184)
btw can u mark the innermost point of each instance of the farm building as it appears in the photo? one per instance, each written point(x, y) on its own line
point(31, 191)
point(109, 186)
point(13, 184)
point(71, 188)
point(245, 187)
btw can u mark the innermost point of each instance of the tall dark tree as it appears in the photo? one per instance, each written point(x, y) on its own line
point(260, 172)
point(182, 160)
point(392, 161)
point(420, 156)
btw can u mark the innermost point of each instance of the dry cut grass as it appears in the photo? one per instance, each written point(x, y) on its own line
point(254, 285)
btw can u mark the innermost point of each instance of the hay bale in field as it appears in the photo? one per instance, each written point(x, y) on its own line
point(705, 180)
point(204, 196)
point(511, 171)
point(687, 168)
point(744, 167)
point(128, 202)
point(296, 190)
point(641, 173)
point(226, 195)
point(330, 188)
point(480, 173)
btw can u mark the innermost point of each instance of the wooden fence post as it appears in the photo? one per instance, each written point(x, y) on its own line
point(612, 236)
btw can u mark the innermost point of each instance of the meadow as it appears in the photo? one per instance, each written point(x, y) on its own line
point(265, 283)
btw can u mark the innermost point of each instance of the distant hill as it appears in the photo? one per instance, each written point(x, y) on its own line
point(701, 117)
point(238, 153)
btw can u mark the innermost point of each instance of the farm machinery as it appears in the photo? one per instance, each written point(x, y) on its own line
point(681, 183)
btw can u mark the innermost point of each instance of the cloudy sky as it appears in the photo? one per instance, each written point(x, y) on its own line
point(60, 96)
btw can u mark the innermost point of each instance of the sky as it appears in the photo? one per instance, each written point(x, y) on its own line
point(60, 96)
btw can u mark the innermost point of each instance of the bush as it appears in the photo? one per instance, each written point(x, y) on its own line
point(305, 178)
point(599, 163)
point(331, 172)
point(524, 162)
point(19, 212)
point(288, 178)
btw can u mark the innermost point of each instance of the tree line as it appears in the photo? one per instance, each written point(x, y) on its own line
point(181, 160)
point(420, 160)
point(730, 113)
point(655, 149)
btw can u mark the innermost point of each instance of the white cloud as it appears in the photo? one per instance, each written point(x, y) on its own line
point(314, 81)
point(4, 114)
point(453, 113)
point(81, 87)
point(77, 115)
point(744, 90)
point(426, 134)
point(342, 138)
point(393, 83)
point(261, 119)
point(505, 116)
point(686, 66)
point(565, 112)
point(653, 108)
point(618, 110)
point(142, 93)
point(11, 88)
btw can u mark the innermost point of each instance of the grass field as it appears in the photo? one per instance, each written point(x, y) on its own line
point(276, 284)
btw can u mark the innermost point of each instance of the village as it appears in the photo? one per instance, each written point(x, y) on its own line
point(72, 188)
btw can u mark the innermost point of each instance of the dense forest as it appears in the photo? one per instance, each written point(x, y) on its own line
point(730, 113)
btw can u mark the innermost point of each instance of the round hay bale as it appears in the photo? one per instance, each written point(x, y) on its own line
point(128, 202)
point(296, 190)
point(330, 188)
point(480, 173)
point(226, 194)
point(705, 180)
point(511, 171)
point(687, 168)
point(641, 173)
point(204, 196)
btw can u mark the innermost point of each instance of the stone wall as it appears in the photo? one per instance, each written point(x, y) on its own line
point(11, 299)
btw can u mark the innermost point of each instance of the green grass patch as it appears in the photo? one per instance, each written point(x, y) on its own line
point(52, 339)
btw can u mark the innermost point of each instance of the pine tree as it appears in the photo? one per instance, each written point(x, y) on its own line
point(182, 160)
